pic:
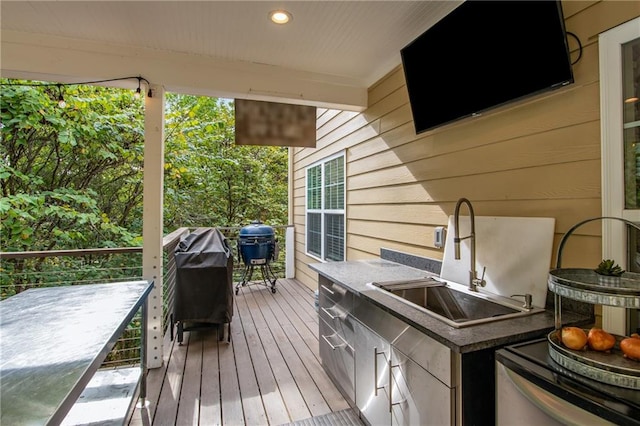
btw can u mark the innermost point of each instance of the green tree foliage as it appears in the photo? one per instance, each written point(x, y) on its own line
point(71, 177)
point(210, 181)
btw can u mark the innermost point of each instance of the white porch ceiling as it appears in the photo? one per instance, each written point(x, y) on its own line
point(328, 55)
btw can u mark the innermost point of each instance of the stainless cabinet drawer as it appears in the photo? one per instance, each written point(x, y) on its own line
point(383, 323)
point(339, 320)
point(332, 293)
point(338, 359)
point(430, 354)
point(417, 397)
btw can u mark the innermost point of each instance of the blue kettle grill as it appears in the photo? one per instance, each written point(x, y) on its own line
point(258, 247)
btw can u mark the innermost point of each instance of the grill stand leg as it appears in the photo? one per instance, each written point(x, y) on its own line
point(180, 332)
point(268, 277)
point(246, 277)
point(221, 328)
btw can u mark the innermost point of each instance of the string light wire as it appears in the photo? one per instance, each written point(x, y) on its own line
point(61, 85)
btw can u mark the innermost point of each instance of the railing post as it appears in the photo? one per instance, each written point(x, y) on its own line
point(290, 263)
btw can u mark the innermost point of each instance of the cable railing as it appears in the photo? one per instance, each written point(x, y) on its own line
point(20, 271)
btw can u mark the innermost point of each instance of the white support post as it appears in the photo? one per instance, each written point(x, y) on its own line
point(290, 234)
point(290, 244)
point(152, 220)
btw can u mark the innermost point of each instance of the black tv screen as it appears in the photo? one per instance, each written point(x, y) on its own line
point(484, 54)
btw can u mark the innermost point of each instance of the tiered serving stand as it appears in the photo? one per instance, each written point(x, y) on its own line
point(585, 285)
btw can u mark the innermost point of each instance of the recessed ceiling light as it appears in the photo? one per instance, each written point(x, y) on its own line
point(280, 16)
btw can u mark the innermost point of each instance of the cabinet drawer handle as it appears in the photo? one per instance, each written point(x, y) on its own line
point(333, 347)
point(327, 289)
point(326, 311)
point(391, 403)
point(375, 371)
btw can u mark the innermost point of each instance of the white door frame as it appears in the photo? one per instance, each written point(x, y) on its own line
point(611, 118)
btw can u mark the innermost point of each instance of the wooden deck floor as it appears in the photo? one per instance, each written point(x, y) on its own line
point(268, 374)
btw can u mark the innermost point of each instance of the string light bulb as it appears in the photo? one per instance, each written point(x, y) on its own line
point(138, 94)
point(61, 101)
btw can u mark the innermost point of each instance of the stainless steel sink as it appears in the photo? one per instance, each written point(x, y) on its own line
point(453, 304)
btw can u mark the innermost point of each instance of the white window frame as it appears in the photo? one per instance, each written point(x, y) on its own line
point(611, 119)
point(322, 211)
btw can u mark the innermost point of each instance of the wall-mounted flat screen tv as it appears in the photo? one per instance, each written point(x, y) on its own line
point(484, 54)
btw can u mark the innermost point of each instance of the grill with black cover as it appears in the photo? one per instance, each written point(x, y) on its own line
point(204, 282)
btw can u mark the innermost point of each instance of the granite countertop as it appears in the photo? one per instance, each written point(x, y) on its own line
point(354, 275)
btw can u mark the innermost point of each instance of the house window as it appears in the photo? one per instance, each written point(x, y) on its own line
point(631, 122)
point(325, 209)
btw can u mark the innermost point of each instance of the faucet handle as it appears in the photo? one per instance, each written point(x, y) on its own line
point(528, 300)
point(480, 281)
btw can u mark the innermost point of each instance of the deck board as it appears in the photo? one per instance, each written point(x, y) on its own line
point(249, 390)
point(210, 409)
point(231, 400)
point(268, 374)
point(293, 399)
point(312, 396)
point(188, 411)
point(305, 318)
point(167, 405)
point(305, 345)
point(272, 398)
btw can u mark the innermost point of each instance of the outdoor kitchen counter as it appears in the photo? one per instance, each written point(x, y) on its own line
point(354, 276)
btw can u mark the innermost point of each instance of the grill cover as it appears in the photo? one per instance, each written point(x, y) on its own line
point(204, 278)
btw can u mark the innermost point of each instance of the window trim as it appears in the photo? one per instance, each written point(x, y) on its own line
point(322, 211)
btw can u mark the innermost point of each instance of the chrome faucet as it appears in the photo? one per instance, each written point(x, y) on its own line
point(474, 281)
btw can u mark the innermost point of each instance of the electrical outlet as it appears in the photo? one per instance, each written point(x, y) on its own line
point(439, 236)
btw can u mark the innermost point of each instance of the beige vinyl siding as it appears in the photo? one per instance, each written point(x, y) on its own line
point(537, 157)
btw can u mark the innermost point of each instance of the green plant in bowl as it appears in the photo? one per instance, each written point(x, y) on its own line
point(609, 267)
point(609, 272)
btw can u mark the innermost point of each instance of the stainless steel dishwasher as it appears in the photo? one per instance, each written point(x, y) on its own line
point(531, 389)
